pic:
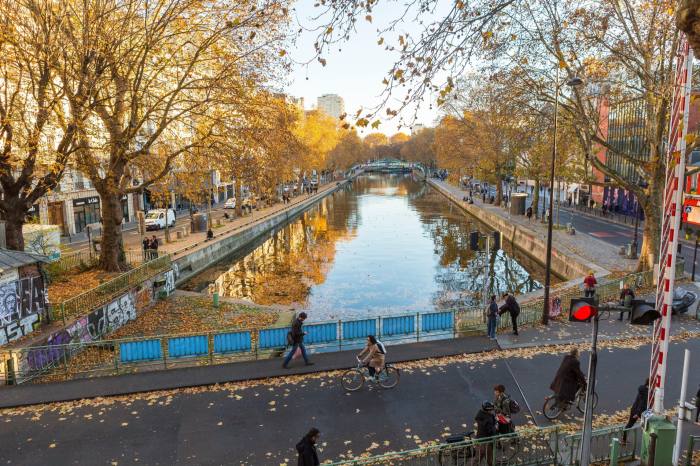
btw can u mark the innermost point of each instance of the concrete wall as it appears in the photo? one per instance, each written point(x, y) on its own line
point(193, 262)
point(568, 266)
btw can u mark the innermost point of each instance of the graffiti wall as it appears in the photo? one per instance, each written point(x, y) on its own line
point(23, 303)
point(89, 328)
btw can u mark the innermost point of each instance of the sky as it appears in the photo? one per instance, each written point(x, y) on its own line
point(354, 70)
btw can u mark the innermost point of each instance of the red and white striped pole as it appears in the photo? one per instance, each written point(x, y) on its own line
point(670, 222)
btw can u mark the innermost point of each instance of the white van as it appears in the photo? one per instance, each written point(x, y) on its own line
point(155, 219)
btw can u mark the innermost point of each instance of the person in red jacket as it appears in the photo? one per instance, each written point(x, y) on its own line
point(589, 284)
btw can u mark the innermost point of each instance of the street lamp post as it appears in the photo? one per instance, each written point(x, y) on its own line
point(548, 265)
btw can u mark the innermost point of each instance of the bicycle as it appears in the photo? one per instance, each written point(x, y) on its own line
point(353, 379)
point(553, 407)
point(503, 448)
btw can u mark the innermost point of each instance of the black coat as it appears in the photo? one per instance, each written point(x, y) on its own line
point(511, 305)
point(307, 453)
point(297, 332)
point(485, 424)
point(568, 379)
point(640, 403)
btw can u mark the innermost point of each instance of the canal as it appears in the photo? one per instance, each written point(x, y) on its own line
point(386, 244)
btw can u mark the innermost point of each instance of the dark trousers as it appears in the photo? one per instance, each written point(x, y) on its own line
point(291, 353)
point(631, 421)
point(514, 320)
point(589, 292)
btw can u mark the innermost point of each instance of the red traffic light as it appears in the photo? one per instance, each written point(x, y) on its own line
point(582, 310)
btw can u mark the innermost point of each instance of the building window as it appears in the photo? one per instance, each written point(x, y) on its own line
point(86, 210)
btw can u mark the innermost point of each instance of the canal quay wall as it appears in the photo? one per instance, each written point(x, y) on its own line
point(194, 260)
point(568, 259)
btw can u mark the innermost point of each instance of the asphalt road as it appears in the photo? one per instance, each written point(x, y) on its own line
point(259, 425)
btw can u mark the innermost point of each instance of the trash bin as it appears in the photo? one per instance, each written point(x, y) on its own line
point(665, 432)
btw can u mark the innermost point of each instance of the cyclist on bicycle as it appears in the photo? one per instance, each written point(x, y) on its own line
point(569, 378)
point(373, 353)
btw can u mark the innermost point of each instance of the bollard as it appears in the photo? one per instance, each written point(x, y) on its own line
point(215, 296)
point(614, 451)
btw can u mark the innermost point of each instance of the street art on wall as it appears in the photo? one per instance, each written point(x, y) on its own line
point(89, 328)
point(23, 304)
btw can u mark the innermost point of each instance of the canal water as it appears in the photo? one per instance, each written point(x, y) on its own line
point(386, 244)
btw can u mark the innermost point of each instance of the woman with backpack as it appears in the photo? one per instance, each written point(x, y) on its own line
point(505, 408)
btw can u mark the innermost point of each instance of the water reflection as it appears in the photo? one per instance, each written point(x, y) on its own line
point(386, 245)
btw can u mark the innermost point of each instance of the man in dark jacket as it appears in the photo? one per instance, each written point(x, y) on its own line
point(296, 335)
point(569, 378)
point(638, 407)
point(511, 306)
point(485, 428)
point(492, 318)
point(306, 448)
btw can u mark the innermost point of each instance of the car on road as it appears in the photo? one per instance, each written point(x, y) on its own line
point(156, 219)
point(230, 203)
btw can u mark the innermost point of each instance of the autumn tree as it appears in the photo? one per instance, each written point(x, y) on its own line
point(399, 138)
point(37, 129)
point(420, 148)
point(376, 139)
point(141, 73)
point(318, 132)
point(350, 151)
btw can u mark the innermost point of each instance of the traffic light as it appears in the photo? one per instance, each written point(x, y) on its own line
point(582, 310)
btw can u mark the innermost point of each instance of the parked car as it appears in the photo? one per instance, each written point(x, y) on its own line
point(156, 219)
point(230, 203)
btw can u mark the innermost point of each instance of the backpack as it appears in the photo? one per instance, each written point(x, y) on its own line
point(514, 406)
point(382, 348)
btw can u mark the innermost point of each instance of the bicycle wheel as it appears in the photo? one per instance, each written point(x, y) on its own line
point(581, 405)
point(391, 377)
point(352, 380)
point(506, 449)
point(551, 408)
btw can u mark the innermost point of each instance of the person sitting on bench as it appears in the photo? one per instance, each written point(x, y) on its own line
point(626, 297)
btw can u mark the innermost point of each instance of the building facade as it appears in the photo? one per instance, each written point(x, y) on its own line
point(331, 104)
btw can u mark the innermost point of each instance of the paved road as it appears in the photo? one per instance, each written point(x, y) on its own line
point(260, 424)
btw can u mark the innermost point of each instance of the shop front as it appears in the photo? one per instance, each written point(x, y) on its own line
point(86, 210)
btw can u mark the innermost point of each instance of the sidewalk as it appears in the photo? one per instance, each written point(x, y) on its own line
point(581, 244)
point(28, 394)
point(132, 239)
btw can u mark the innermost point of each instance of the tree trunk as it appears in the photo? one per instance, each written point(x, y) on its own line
point(14, 216)
point(536, 198)
point(111, 246)
point(499, 190)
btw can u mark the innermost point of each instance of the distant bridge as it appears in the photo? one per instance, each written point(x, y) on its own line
point(389, 166)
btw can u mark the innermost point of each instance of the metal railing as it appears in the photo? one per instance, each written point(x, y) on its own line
point(540, 446)
point(111, 357)
point(692, 456)
point(104, 293)
point(85, 259)
point(473, 319)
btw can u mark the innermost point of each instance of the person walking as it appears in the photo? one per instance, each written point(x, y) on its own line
point(504, 414)
point(697, 405)
point(511, 306)
point(485, 428)
point(492, 318)
point(528, 213)
point(638, 407)
point(296, 339)
point(589, 284)
point(306, 448)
